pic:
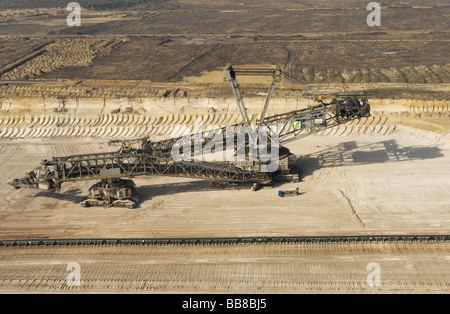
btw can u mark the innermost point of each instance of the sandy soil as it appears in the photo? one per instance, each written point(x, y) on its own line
point(248, 268)
point(356, 181)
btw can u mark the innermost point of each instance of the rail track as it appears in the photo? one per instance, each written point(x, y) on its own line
point(231, 240)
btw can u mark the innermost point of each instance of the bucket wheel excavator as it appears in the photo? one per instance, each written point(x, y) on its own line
point(152, 158)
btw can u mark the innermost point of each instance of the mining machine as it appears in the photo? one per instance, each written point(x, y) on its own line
point(110, 168)
point(153, 158)
point(286, 127)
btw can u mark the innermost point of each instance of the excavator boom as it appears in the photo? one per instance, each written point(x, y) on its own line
point(51, 174)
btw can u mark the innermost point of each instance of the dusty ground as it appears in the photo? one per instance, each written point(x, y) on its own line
point(228, 269)
point(377, 178)
point(136, 69)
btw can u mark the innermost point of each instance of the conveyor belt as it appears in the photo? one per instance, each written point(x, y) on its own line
point(231, 240)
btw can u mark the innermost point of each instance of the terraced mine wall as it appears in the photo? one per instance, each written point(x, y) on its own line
point(162, 106)
point(134, 118)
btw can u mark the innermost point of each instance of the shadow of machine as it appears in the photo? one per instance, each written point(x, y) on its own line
point(351, 154)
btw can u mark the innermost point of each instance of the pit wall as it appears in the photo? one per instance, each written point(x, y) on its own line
point(159, 107)
point(46, 119)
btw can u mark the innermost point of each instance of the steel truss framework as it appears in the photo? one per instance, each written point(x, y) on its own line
point(131, 164)
point(283, 125)
point(155, 158)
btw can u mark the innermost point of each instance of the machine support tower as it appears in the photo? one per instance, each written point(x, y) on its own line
point(230, 75)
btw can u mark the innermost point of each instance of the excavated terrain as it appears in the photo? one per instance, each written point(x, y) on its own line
point(229, 269)
point(387, 173)
point(147, 68)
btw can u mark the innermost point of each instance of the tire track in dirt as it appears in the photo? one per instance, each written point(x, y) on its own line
point(187, 66)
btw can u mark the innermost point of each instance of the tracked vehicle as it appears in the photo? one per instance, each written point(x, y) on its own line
point(112, 193)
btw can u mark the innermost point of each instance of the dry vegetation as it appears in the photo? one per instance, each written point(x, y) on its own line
point(317, 43)
point(63, 53)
